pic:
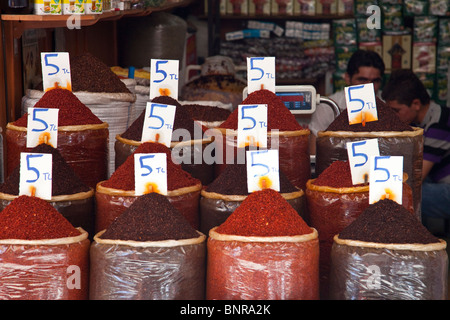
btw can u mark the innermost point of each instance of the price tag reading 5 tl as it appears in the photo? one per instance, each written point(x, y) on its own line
point(42, 127)
point(386, 178)
point(359, 153)
point(164, 78)
point(260, 74)
point(252, 125)
point(158, 123)
point(361, 103)
point(36, 175)
point(56, 70)
point(262, 170)
point(150, 173)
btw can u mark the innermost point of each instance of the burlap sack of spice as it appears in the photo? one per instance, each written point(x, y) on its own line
point(110, 203)
point(149, 270)
point(187, 153)
point(267, 268)
point(215, 208)
point(332, 146)
point(293, 147)
point(115, 108)
point(376, 271)
point(84, 147)
point(78, 208)
point(52, 269)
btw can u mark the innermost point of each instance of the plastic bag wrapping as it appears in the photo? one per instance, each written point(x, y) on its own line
point(158, 270)
point(388, 271)
point(262, 268)
point(85, 149)
point(189, 154)
point(331, 210)
point(331, 146)
point(54, 269)
point(293, 148)
point(216, 208)
point(110, 203)
point(78, 208)
point(116, 109)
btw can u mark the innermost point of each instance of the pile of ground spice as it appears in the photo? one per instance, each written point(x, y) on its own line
point(64, 180)
point(233, 181)
point(388, 120)
point(206, 113)
point(278, 115)
point(337, 175)
point(72, 111)
point(151, 217)
point(123, 177)
point(264, 213)
point(32, 218)
point(183, 120)
point(386, 221)
point(88, 73)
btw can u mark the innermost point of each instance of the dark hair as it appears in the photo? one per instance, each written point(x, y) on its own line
point(404, 86)
point(364, 58)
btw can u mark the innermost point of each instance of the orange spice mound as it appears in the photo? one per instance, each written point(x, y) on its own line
point(264, 213)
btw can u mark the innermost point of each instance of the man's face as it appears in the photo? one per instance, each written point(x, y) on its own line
point(366, 75)
point(407, 114)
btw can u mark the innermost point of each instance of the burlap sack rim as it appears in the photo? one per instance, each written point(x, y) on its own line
point(225, 197)
point(162, 243)
point(119, 96)
point(385, 134)
point(47, 242)
point(131, 193)
point(83, 127)
point(65, 197)
point(298, 238)
point(441, 245)
point(173, 144)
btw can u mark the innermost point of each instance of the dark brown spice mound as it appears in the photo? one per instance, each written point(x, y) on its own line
point(388, 120)
point(151, 217)
point(64, 180)
point(207, 113)
point(386, 221)
point(337, 175)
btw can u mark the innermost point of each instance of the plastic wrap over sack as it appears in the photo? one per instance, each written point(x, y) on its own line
point(85, 149)
point(110, 203)
point(331, 210)
point(262, 268)
point(216, 208)
point(54, 269)
point(388, 272)
point(332, 146)
point(158, 270)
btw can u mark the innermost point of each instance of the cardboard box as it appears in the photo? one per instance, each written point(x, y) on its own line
point(397, 51)
point(47, 7)
point(305, 7)
point(424, 57)
point(237, 7)
point(259, 7)
point(282, 7)
point(326, 6)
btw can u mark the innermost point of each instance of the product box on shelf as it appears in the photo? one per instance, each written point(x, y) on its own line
point(282, 7)
point(259, 7)
point(397, 51)
point(345, 7)
point(326, 7)
point(93, 6)
point(372, 46)
point(47, 7)
point(73, 6)
point(305, 7)
point(424, 57)
point(237, 7)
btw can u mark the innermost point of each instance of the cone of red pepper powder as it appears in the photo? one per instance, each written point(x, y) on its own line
point(188, 142)
point(264, 250)
point(333, 203)
point(395, 138)
point(149, 252)
point(116, 194)
point(283, 133)
point(42, 256)
point(387, 254)
point(82, 137)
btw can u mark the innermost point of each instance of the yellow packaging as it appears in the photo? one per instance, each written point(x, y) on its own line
point(73, 6)
point(44, 7)
point(397, 52)
point(93, 6)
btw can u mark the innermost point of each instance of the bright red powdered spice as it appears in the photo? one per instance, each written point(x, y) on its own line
point(32, 218)
point(72, 111)
point(337, 175)
point(278, 115)
point(123, 177)
point(264, 213)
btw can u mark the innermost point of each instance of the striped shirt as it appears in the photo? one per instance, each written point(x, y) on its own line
point(436, 148)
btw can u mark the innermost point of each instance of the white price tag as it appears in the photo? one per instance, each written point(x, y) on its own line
point(150, 173)
point(42, 127)
point(261, 74)
point(36, 175)
point(361, 103)
point(252, 125)
point(359, 153)
point(386, 178)
point(164, 78)
point(56, 70)
point(158, 123)
point(262, 170)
